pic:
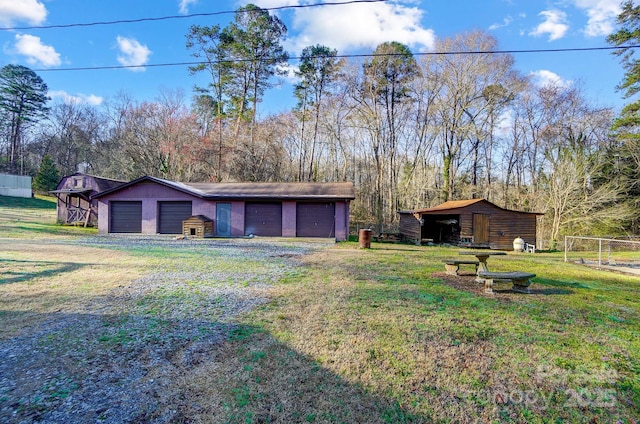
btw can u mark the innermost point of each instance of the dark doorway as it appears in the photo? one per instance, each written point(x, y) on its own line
point(441, 228)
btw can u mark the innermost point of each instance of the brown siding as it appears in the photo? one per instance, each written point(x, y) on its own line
point(466, 224)
point(409, 226)
point(504, 225)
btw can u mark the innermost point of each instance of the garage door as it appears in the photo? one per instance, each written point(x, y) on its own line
point(315, 220)
point(125, 217)
point(171, 215)
point(263, 219)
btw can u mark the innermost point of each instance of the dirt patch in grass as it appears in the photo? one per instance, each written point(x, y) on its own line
point(466, 282)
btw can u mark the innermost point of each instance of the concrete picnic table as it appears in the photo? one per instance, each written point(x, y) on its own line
point(482, 256)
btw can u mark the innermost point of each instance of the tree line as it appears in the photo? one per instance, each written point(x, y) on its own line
point(408, 131)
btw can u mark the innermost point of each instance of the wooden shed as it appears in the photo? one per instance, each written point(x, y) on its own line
point(474, 223)
point(197, 226)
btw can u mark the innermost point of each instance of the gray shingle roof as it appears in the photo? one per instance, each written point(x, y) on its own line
point(280, 191)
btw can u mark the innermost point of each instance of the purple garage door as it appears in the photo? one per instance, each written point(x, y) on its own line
point(125, 217)
point(315, 220)
point(171, 215)
point(263, 219)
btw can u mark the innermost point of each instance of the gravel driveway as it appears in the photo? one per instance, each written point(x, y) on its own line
point(113, 361)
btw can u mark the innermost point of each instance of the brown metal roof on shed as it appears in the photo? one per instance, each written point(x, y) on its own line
point(474, 222)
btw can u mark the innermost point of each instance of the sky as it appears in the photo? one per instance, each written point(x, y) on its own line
point(139, 47)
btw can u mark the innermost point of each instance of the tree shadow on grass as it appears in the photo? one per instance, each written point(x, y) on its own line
point(563, 284)
point(132, 368)
point(259, 379)
point(28, 270)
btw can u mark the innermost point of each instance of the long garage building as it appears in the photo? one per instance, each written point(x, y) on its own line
point(150, 205)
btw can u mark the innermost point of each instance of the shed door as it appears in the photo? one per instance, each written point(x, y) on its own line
point(263, 219)
point(480, 228)
point(171, 215)
point(125, 217)
point(315, 220)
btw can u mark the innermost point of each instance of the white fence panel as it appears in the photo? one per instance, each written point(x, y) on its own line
point(15, 186)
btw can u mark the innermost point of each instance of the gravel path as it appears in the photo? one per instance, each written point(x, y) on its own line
point(113, 362)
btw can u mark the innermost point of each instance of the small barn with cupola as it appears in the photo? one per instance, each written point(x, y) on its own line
point(75, 205)
point(474, 223)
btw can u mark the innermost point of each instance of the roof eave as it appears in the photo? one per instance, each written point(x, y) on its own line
point(166, 183)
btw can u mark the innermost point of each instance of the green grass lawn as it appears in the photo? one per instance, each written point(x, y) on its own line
point(388, 321)
point(32, 218)
point(383, 335)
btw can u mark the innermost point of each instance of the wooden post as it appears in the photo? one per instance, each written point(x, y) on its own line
point(86, 219)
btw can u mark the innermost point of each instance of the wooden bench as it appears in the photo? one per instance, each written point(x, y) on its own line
point(520, 280)
point(452, 266)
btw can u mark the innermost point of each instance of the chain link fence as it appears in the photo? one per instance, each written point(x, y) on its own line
point(602, 251)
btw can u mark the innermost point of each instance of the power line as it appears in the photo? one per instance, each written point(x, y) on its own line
point(345, 56)
point(192, 15)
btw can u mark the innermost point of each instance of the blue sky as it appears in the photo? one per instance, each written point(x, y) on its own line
point(350, 28)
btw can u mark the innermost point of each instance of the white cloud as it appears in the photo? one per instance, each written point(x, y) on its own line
point(184, 5)
point(30, 11)
point(602, 16)
point(36, 52)
point(544, 78)
point(90, 99)
point(132, 53)
point(353, 26)
point(505, 22)
point(554, 24)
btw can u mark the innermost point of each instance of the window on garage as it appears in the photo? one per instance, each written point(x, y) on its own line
point(125, 217)
point(263, 219)
point(171, 215)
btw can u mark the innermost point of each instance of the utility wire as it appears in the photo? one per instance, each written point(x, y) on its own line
point(345, 56)
point(192, 15)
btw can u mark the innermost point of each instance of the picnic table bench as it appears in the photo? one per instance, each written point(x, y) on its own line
point(482, 256)
point(452, 266)
point(520, 280)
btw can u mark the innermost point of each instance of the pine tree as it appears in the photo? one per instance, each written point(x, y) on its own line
point(47, 177)
point(23, 98)
point(628, 34)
